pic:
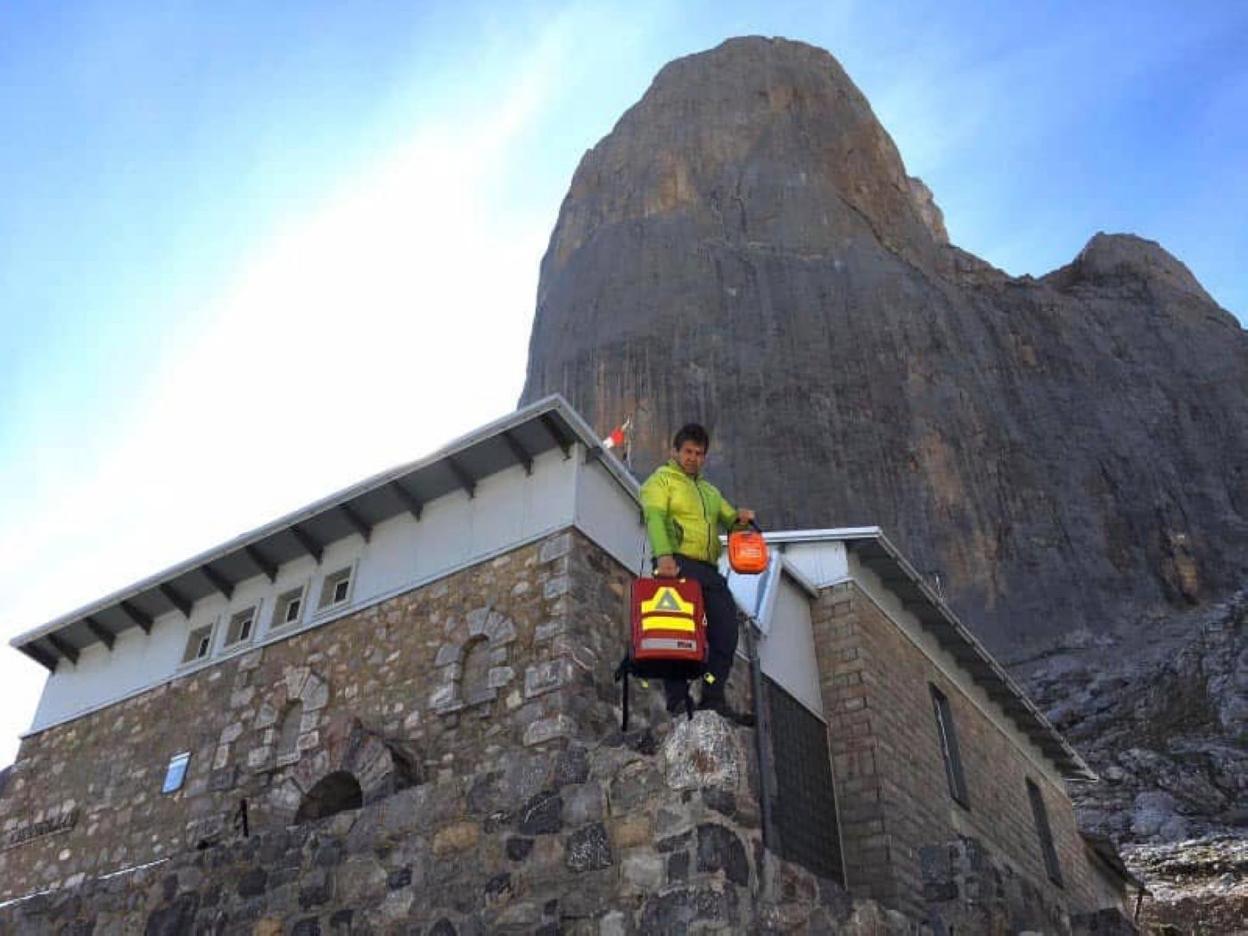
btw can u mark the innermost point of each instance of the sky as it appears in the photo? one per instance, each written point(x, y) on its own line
point(252, 253)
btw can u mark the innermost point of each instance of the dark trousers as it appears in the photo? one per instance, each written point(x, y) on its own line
point(721, 629)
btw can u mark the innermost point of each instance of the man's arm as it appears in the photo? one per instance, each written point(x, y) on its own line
point(655, 498)
point(728, 515)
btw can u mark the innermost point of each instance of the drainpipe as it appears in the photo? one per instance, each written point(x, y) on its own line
point(762, 735)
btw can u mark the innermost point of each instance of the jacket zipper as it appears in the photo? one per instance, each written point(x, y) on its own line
point(705, 516)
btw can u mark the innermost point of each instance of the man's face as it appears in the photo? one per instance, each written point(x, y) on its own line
point(691, 457)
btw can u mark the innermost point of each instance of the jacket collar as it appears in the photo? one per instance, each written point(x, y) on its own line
point(675, 466)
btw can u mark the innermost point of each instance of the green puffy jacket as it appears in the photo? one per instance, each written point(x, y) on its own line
point(684, 514)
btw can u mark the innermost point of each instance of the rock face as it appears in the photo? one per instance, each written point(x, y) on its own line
point(745, 248)
point(1164, 723)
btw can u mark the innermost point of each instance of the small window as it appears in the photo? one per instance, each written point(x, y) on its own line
point(242, 626)
point(198, 644)
point(176, 772)
point(336, 589)
point(949, 747)
point(289, 608)
point(1041, 816)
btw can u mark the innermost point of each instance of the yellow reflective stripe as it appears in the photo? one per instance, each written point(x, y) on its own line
point(666, 622)
point(667, 599)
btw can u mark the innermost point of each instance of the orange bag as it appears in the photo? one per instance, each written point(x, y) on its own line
point(747, 550)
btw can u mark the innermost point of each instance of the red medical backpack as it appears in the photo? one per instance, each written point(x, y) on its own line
point(667, 633)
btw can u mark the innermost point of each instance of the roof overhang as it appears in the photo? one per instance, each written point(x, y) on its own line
point(516, 439)
point(874, 550)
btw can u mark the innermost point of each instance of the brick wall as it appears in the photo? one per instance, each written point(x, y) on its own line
point(903, 832)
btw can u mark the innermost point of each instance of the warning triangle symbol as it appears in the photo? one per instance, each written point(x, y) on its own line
point(667, 601)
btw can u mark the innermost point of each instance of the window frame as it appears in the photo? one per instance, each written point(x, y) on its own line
point(1044, 832)
point(210, 637)
point(230, 639)
point(278, 620)
point(348, 573)
point(950, 751)
point(181, 763)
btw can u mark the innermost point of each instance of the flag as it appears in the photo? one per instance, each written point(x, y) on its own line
point(617, 435)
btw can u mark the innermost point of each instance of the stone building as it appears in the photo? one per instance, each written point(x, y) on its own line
point(395, 708)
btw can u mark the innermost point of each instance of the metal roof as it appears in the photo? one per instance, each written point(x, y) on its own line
point(874, 551)
point(516, 439)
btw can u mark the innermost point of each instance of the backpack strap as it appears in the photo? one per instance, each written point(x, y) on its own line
point(621, 675)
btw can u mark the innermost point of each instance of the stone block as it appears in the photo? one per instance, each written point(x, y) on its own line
point(242, 697)
point(582, 804)
point(442, 696)
point(556, 586)
point(547, 729)
point(720, 849)
point(555, 548)
point(295, 677)
point(517, 847)
point(250, 660)
point(499, 629)
point(315, 694)
point(448, 653)
point(223, 779)
point(500, 676)
point(631, 830)
point(541, 815)
point(644, 869)
point(456, 837)
point(476, 621)
point(589, 849)
point(546, 676)
point(702, 752)
point(266, 717)
point(359, 881)
point(572, 766)
point(548, 629)
point(634, 785)
point(231, 733)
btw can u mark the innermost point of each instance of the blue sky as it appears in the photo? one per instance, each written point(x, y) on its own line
point(226, 227)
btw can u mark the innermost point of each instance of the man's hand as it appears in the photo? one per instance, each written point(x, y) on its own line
point(745, 516)
point(667, 567)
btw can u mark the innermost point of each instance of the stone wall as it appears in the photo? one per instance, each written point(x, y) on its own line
point(627, 835)
point(506, 655)
point(907, 842)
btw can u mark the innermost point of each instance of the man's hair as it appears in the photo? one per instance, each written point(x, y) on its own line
point(692, 432)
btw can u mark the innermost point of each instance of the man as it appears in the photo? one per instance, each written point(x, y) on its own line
point(684, 513)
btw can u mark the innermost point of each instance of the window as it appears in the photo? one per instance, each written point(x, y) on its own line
point(1046, 835)
point(242, 626)
point(176, 772)
point(336, 589)
point(949, 747)
point(198, 644)
point(288, 609)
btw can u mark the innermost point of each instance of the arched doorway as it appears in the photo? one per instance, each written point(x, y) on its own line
point(332, 794)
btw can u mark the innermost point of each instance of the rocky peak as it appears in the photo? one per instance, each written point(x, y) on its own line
point(746, 249)
point(1113, 259)
point(758, 141)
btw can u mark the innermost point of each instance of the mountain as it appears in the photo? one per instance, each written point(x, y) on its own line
point(745, 248)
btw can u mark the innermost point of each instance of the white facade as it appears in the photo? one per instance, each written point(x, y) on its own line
point(510, 508)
